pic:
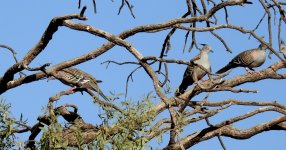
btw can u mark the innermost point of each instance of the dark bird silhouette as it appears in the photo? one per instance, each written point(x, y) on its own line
point(249, 59)
point(201, 59)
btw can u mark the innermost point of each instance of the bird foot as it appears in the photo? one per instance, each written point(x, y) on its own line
point(254, 72)
point(249, 70)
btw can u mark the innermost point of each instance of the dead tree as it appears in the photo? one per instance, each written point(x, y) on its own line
point(185, 110)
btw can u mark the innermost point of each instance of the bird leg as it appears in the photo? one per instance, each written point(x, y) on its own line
point(252, 71)
point(249, 70)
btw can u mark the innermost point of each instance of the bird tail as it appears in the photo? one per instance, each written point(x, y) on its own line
point(182, 88)
point(247, 2)
point(96, 89)
point(224, 69)
point(102, 95)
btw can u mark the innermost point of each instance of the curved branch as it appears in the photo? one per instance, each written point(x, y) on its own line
point(229, 131)
point(11, 50)
point(269, 73)
point(36, 50)
point(9, 75)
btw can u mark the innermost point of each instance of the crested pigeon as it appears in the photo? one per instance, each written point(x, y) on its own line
point(283, 48)
point(244, 1)
point(249, 59)
point(201, 59)
point(83, 80)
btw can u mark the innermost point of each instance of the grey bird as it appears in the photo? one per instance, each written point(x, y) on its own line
point(201, 59)
point(249, 59)
point(83, 80)
point(283, 48)
point(244, 1)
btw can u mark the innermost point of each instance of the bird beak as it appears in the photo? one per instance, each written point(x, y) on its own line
point(98, 81)
point(211, 51)
point(282, 42)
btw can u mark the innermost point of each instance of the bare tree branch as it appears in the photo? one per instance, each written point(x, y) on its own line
point(182, 110)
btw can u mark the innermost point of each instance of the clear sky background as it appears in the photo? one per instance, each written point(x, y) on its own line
point(23, 23)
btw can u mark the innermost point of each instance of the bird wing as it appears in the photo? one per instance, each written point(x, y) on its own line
point(97, 89)
point(73, 74)
point(188, 72)
point(69, 76)
point(243, 59)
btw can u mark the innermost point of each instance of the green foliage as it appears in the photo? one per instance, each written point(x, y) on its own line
point(52, 137)
point(118, 130)
point(7, 137)
point(128, 130)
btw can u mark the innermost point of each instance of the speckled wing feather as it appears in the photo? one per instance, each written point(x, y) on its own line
point(243, 59)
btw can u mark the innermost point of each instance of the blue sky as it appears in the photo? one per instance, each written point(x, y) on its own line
point(23, 22)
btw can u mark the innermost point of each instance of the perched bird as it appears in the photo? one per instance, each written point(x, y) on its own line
point(244, 1)
point(201, 59)
point(83, 80)
point(249, 59)
point(283, 48)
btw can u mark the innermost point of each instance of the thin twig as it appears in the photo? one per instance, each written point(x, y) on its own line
point(11, 50)
point(94, 6)
point(166, 75)
point(167, 39)
point(129, 7)
point(42, 68)
point(119, 63)
point(130, 77)
point(79, 3)
point(221, 40)
point(260, 21)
